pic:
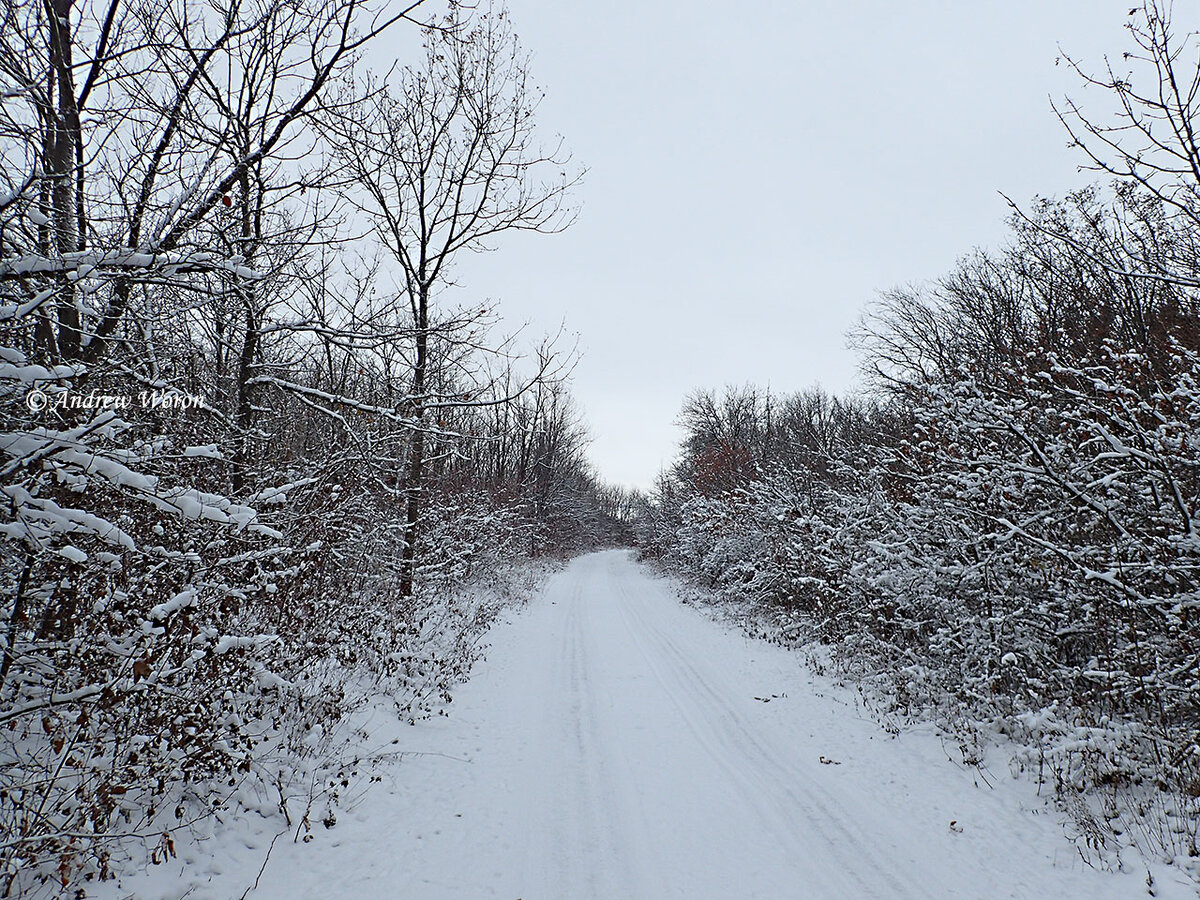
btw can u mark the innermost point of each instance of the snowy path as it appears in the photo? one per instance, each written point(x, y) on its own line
point(612, 747)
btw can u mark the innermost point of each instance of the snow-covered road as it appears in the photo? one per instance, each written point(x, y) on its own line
point(614, 745)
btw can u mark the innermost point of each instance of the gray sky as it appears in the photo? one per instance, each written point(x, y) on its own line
point(758, 172)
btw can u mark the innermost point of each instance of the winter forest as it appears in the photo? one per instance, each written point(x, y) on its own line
point(269, 469)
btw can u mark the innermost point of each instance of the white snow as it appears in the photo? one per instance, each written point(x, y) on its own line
point(236, 642)
point(29, 374)
point(179, 601)
point(74, 554)
point(205, 451)
point(618, 744)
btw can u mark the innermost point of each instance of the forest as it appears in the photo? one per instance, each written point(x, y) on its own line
point(266, 463)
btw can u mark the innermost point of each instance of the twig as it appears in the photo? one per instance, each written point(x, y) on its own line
point(266, 859)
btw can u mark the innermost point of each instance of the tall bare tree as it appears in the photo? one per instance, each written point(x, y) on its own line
point(445, 159)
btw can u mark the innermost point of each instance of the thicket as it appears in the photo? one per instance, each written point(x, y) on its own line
point(1004, 534)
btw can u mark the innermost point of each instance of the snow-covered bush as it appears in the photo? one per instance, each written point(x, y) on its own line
point(1020, 560)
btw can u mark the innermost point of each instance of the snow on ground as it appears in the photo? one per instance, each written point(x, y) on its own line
point(616, 744)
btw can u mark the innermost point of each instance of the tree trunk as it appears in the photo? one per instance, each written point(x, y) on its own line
point(243, 415)
point(416, 453)
point(64, 139)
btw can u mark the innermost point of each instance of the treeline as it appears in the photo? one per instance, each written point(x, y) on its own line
point(256, 465)
point(1005, 532)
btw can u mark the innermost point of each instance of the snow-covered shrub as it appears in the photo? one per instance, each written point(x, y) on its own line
point(1023, 561)
point(125, 670)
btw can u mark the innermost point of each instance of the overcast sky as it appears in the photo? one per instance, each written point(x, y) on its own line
point(758, 172)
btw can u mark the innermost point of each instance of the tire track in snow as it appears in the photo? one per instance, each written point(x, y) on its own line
point(590, 844)
point(785, 800)
point(609, 748)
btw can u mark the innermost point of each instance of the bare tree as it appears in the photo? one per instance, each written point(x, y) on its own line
point(1150, 146)
point(445, 159)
